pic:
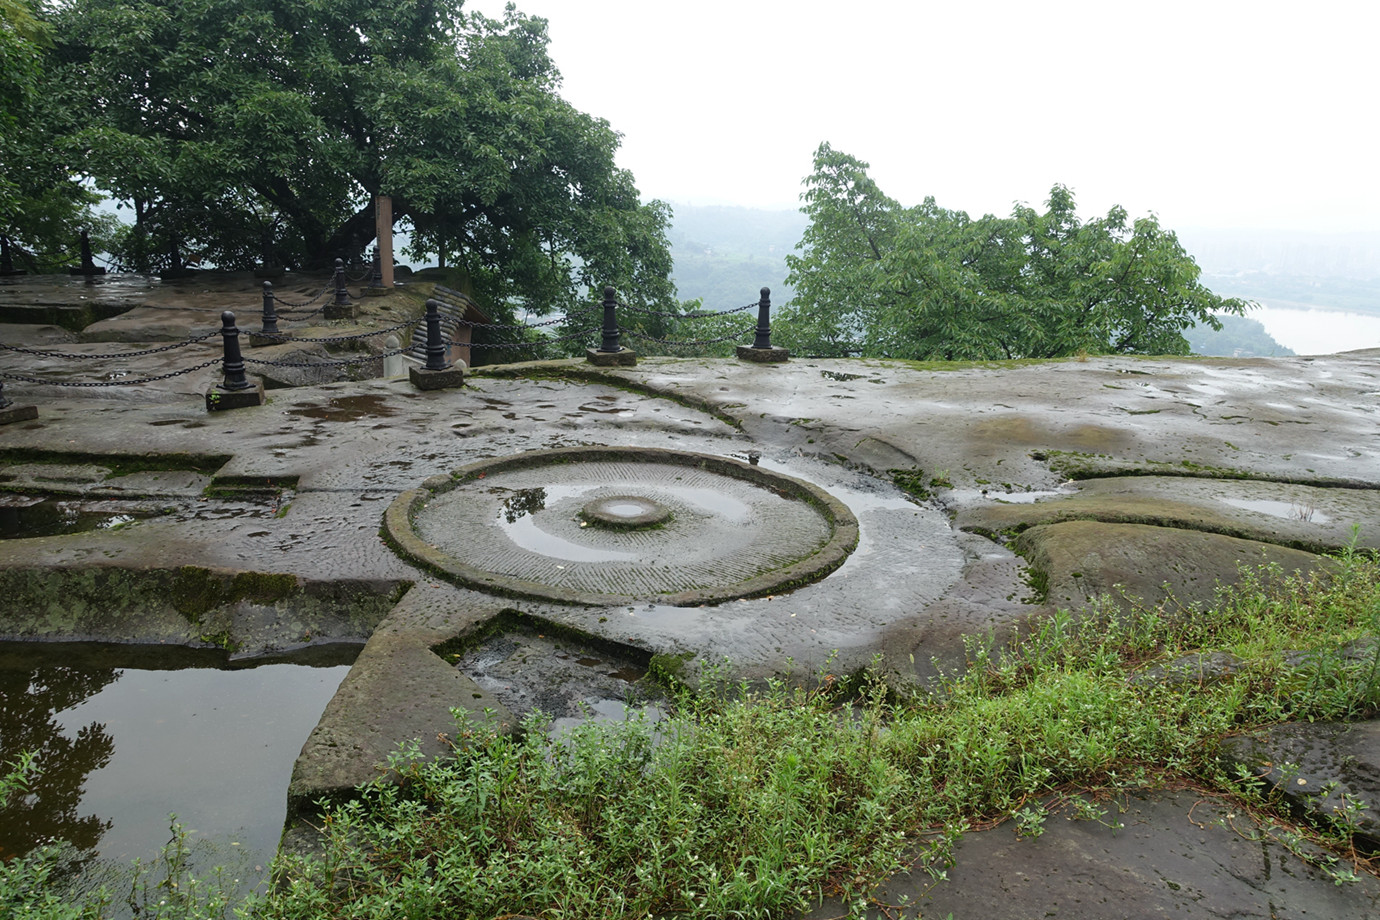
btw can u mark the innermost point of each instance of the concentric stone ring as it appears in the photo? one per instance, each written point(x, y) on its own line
point(606, 526)
point(625, 512)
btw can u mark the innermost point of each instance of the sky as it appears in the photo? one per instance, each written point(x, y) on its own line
point(1210, 114)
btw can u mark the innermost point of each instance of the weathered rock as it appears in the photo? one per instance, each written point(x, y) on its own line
point(1079, 561)
point(1328, 772)
point(398, 691)
point(1178, 854)
point(1289, 514)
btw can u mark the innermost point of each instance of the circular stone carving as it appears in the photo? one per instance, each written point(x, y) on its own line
point(625, 512)
point(607, 526)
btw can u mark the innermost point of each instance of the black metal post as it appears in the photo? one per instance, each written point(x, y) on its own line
point(610, 342)
point(6, 261)
point(88, 264)
point(763, 339)
point(342, 296)
point(234, 361)
point(435, 349)
point(376, 276)
point(270, 314)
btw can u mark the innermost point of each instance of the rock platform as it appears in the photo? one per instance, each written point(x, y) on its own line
point(1099, 475)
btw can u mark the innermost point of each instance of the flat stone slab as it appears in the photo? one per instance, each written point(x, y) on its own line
point(1178, 854)
point(1290, 514)
point(1328, 771)
point(1082, 560)
point(398, 691)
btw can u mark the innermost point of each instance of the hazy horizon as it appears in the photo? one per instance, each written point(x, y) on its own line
point(1228, 115)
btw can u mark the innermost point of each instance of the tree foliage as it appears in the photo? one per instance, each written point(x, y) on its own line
point(225, 123)
point(878, 279)
point(43, 206)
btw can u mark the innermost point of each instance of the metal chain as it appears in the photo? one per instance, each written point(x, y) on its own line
point(646, 311)
point(111, 383)
point(306, 303)
point(685, 344)
point(339, 362)
point(117, 354)
point(551, 341)
point(337, 338)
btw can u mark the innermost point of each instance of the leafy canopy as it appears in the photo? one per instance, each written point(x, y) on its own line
point(226, 123)
point(881, 280)
point(43, 207)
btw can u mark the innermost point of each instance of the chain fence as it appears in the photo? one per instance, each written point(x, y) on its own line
point(437, 336)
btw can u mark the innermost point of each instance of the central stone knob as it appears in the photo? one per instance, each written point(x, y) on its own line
point(625, 512)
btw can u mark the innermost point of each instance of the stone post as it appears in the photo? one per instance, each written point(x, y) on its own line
point(383, 225)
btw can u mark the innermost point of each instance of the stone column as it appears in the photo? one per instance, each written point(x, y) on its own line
point(383, 225)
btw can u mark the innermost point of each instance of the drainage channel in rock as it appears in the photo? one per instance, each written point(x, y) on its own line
point(562, 677)
point(126, 734)
point(605, 526)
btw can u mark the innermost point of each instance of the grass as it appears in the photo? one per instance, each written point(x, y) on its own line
point(756, 800)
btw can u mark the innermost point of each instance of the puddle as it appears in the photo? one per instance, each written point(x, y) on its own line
point(835, 375)
point(128, 734)
point(348, 409)
point(1289, 511)
point(569, 681)
point(24, 516)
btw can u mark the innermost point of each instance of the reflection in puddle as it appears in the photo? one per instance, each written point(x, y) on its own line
point(1290, 511)
point(22, 517)
point(126, 736)
point(523, 502)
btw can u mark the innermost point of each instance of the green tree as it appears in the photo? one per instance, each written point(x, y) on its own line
point(877, 279)
point(43, 207)
point(221, 121)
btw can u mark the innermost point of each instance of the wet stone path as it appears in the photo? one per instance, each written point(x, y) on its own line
point(1109, 468)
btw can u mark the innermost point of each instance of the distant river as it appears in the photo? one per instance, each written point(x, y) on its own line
point(1319, 332)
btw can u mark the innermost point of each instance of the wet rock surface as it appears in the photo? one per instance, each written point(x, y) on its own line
point(1174, 854)
point(1114, 472)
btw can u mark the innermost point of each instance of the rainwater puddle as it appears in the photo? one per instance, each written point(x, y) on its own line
point(128, 734)
point(1289, 511)
point(348, 409)
point(966, 496)
point(24, 516)
point(569, 681)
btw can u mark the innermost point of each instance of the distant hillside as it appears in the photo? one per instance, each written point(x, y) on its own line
point(725, 256)
point(1240, 337)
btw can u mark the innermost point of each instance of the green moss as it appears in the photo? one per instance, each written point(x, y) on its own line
point(911, 481)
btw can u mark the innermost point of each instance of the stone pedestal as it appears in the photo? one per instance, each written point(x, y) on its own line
point(623, 357)
point(17, 414)
point(338, 311)
point(423, 379)
point(773, 355)
point(219, 398)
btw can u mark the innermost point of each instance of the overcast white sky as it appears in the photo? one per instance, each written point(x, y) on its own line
point(1211, 113)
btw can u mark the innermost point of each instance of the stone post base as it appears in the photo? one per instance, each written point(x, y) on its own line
point(375, 291)
point(773, 355)
point(623, 357)
point(219, 398)
point(336, 311)
point(17, 414)
point(423, 379)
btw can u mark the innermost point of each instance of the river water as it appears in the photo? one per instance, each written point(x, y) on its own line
point(1319, 332)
